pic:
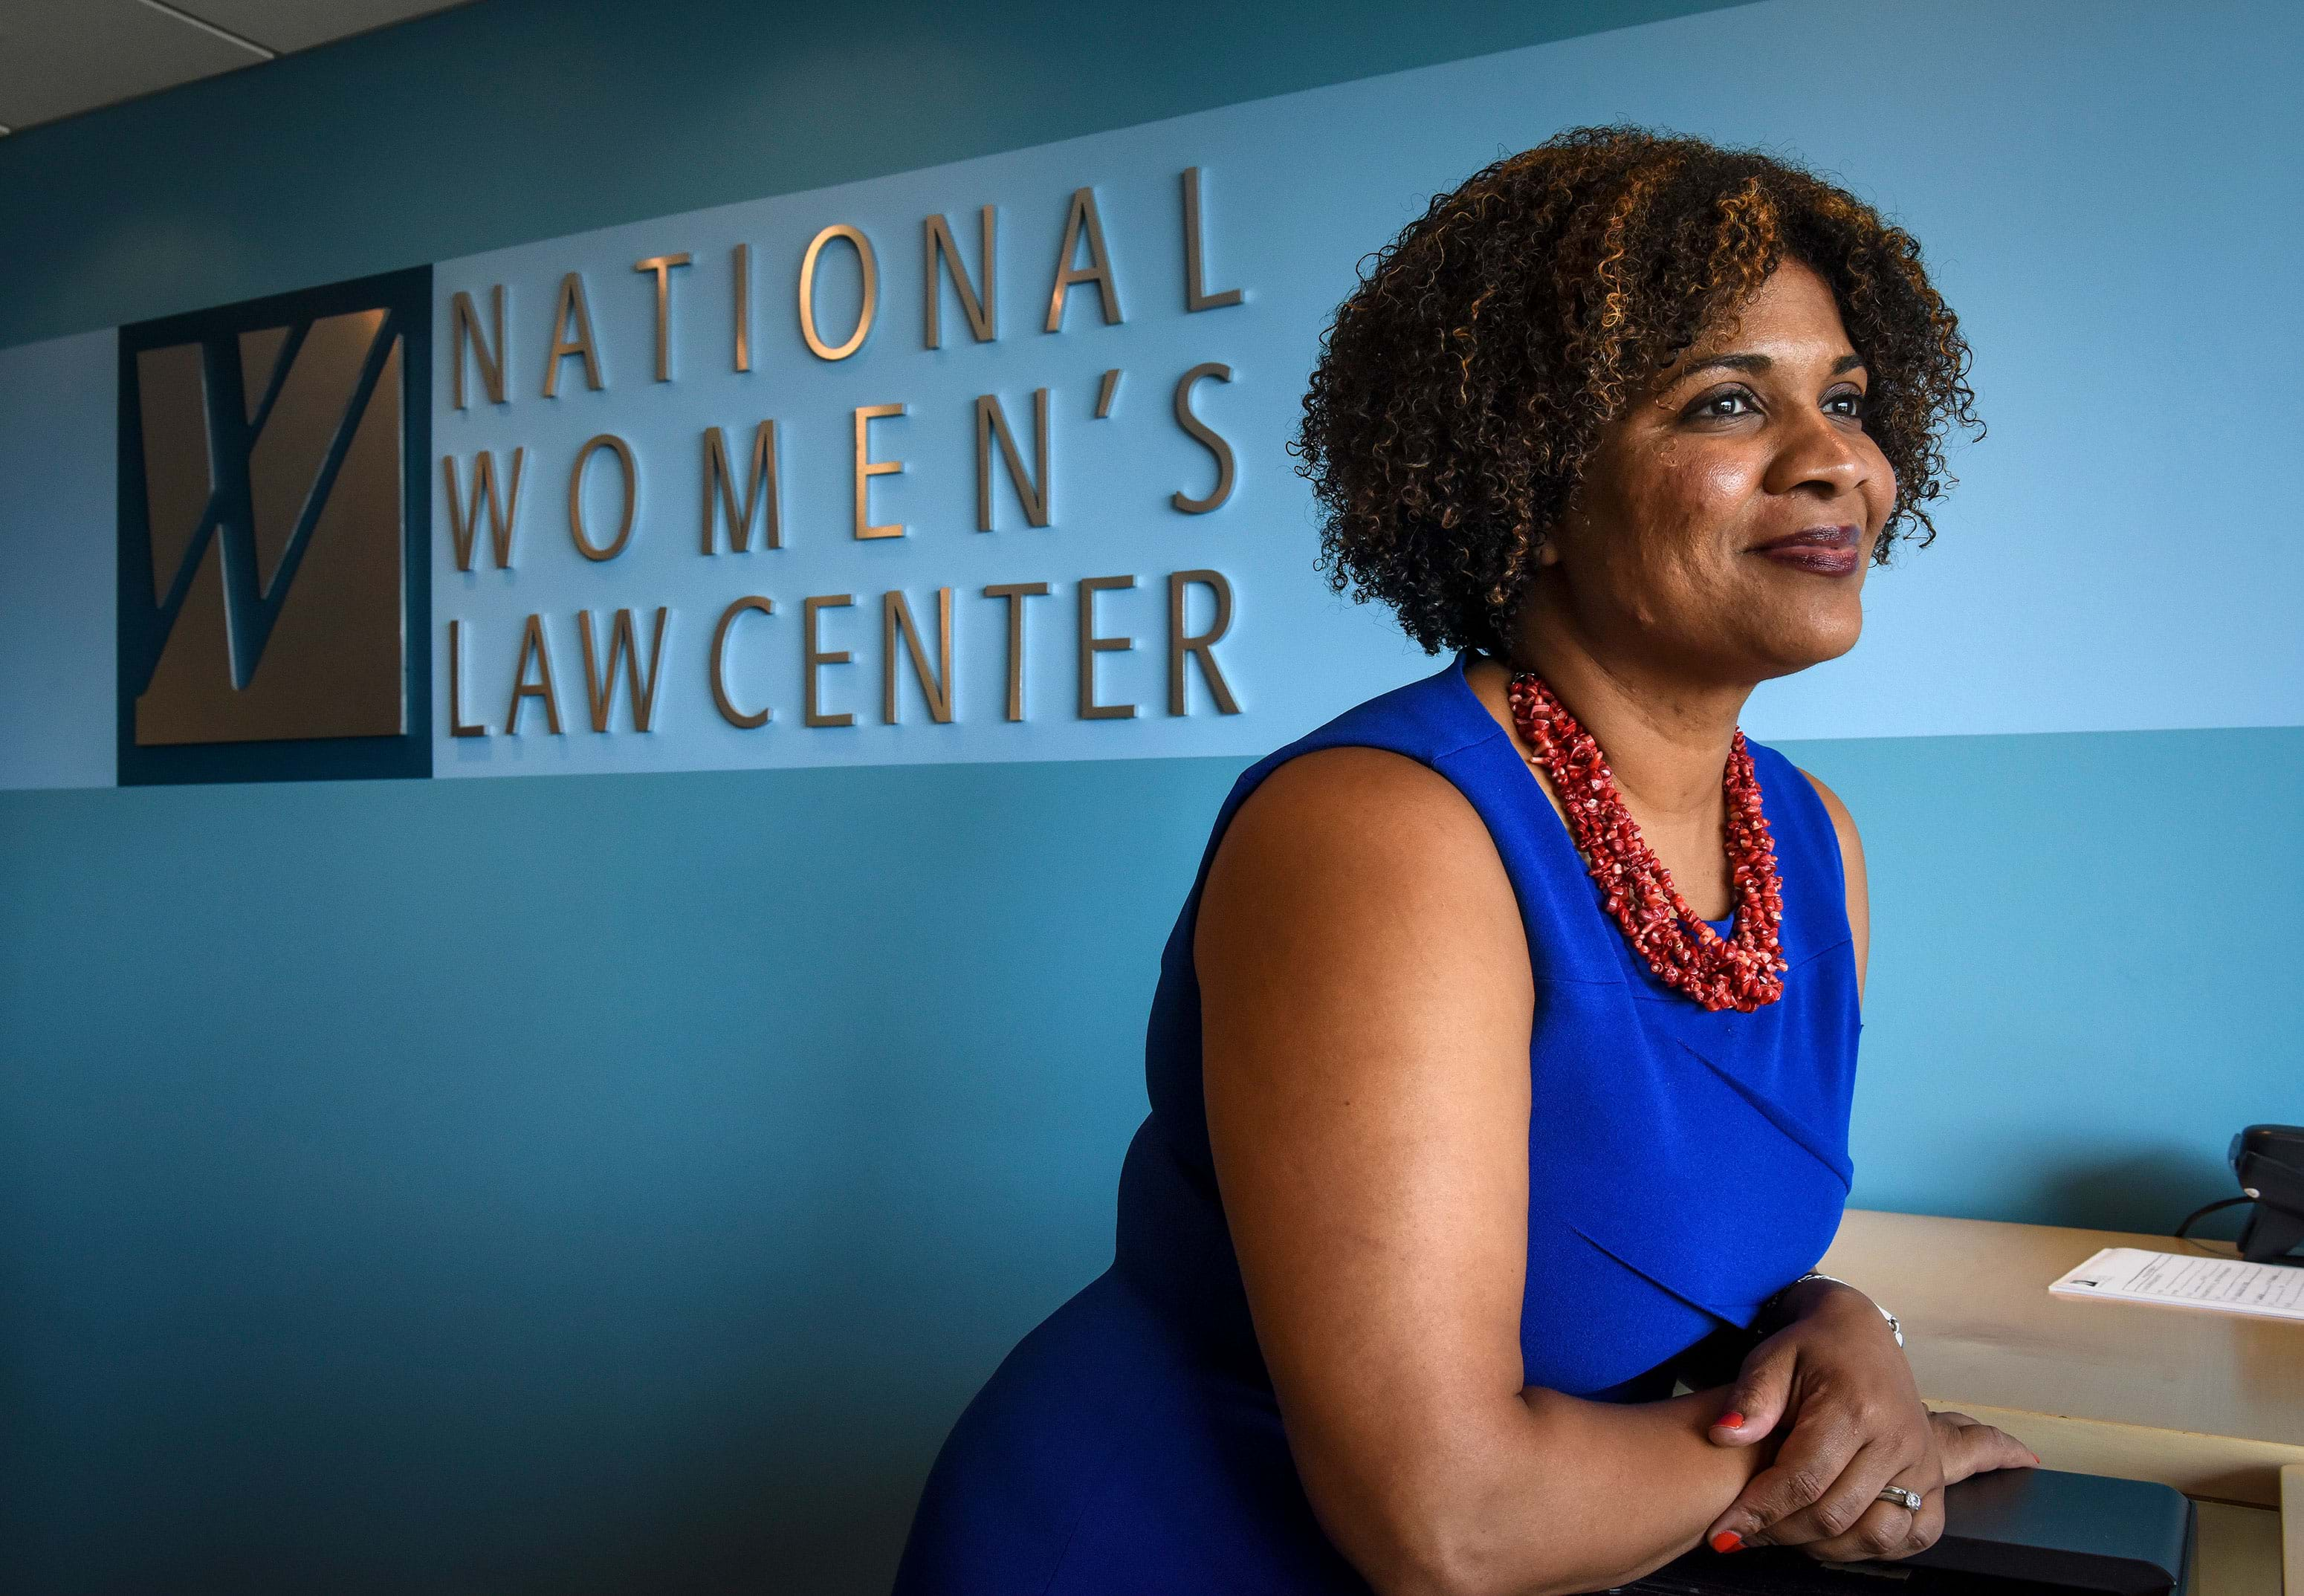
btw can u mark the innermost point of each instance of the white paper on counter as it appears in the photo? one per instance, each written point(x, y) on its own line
point(2188, 1280)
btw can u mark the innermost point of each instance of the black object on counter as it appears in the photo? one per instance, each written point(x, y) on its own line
point(2019, 1531)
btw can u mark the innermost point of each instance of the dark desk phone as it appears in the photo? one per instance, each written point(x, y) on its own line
point(2269, 1159)
point(2019, 1531)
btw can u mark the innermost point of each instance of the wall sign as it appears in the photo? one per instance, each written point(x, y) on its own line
point(846, 477)
point(952, 465)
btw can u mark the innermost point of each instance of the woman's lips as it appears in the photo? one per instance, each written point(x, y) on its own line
point(1826, 550)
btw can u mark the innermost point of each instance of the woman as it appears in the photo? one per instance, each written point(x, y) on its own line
point(1501, 1060)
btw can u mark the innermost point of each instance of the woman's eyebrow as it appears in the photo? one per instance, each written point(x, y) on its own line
point(1731, 363)
point(1848, 362)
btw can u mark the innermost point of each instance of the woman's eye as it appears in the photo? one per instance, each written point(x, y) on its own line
point(1850, 404)
point(1724, 406)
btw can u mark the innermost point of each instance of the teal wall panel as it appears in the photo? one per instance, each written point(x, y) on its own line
point(599, 1184)
point(630, 1176)
point(2078, 985)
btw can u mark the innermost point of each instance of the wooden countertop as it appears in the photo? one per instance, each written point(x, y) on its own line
point(2210, 1403)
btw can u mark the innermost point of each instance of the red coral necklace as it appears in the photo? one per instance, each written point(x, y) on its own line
point(1740, 973)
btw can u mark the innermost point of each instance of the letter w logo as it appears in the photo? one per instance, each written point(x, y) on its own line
point(275, 580)
point(237, 418)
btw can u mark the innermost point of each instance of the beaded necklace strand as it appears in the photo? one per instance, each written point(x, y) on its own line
point(1742, 972)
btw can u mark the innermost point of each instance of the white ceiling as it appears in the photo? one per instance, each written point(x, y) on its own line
point(59, 57)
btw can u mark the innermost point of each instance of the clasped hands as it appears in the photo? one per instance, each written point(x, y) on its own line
point(1834, 1391)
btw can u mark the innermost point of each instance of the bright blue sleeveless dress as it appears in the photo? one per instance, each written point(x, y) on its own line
point(1683, 1165)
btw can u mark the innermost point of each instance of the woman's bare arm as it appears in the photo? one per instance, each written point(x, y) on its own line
point(1852, 869)
point(1367, 1000)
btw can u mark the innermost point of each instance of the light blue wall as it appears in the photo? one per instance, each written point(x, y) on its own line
point(556, 1185)
point(617, 1184)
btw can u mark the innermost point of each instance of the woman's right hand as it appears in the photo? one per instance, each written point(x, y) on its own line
point(1970, 1447)
point(1963, 1447)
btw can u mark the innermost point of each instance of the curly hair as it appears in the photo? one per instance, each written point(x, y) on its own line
point(1463, 384)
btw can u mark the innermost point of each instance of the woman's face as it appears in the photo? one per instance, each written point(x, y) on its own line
point(1727, 518)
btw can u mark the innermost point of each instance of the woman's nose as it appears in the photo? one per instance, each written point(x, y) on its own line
point(1814, 449)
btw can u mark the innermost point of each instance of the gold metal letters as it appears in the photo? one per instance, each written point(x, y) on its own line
point(1099, 269)
point(895, 618)
point(1208, 439)
point(533, 644)
point(728, 710)
point(600, 688)
point(1090, 645)
point(623, 453)
point(867, 468)
point(1199, 647)
point(481, 483)
point(572, 306)
point(464, 333)
point(456, 724)
point(1194, 270)
point(871, 269)
point(720, 489)
point(936, 246)
point(1016, 593)
point(814, 657)
point(464, 519)
point(662, 264)
point(1032, 491)
point(743, 307)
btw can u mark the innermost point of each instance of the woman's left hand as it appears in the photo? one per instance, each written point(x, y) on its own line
point(1835, 1380)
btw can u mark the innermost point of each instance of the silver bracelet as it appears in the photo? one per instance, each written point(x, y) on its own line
point(1895, 1325)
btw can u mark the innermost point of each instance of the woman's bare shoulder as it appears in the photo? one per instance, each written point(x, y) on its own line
point(1363, 845)
point(1365, 808)
point(1852, 871)
point(1353, 790)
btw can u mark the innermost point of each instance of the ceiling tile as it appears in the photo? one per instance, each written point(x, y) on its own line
point(59, 58)
point(286, 25)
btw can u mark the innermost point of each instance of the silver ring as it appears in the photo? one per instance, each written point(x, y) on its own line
point(1909, 1500)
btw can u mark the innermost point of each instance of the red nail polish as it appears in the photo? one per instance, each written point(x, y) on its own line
point(1732, 1420)
point(1727, 1540)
